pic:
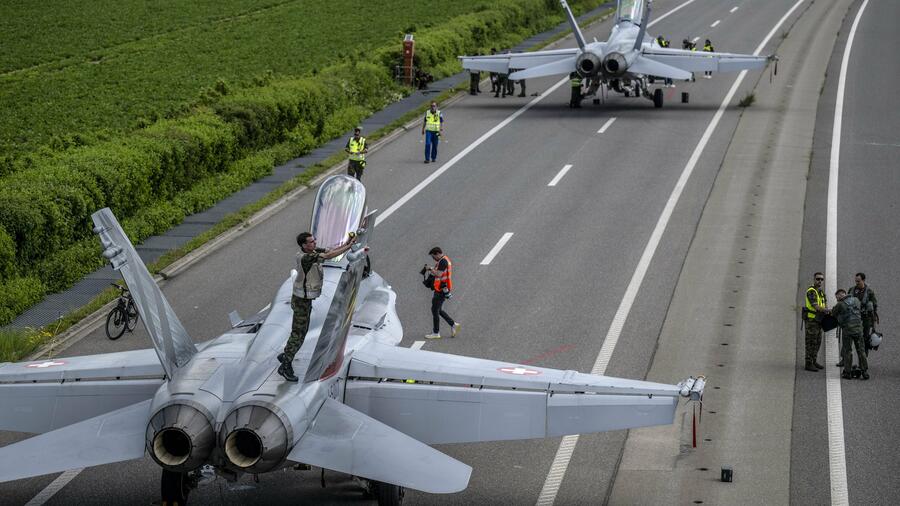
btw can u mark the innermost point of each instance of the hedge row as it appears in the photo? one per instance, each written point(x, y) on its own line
point(155, 176)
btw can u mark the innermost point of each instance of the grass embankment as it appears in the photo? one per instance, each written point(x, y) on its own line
point(184, 162)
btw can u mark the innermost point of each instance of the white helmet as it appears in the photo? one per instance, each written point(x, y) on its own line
point(874, 340)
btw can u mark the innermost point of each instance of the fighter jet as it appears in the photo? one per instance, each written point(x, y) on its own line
point(626, 63)
point(364, 406)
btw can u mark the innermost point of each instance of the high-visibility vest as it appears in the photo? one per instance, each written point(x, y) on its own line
point(433, 121)
point(708, 48)
point(356, 149)
point(445, 279)
point(820, 301)
point(576, 82)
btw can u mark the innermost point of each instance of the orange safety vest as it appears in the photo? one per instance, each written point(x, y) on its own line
point(445, 279)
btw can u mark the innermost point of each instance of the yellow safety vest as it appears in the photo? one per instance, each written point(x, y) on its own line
point(356, 148)
point(820, 301)
point(433, 121)
point(708, 48)
point(576, 83)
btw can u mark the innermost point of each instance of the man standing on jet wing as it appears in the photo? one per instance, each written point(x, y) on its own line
point(307, 286)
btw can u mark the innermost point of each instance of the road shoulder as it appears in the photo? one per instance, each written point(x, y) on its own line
point(733, 314)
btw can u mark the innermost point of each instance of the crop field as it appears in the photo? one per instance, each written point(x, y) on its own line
point(72, 70)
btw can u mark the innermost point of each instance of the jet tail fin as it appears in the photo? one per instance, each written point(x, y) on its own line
point(172, 342)
point(111, 437)
point(645, 20)
point(576, 31)
point(345, 440)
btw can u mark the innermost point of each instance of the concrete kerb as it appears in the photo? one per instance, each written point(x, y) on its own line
point(93, 321)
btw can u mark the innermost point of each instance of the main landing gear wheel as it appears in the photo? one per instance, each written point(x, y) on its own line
point(657, 98)
point(389, 495)
point(175, 488)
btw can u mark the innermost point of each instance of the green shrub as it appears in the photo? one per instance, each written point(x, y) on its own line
point(7, 255)
point(17, 295)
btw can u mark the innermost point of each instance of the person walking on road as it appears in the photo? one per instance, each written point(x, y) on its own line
point(307, 286)
point(356, 147)
point(495, 80)
point(575, 83)
point(442, 290)
point(847, 313)
point(474, 81)
point(815, 309)
point(868, 307)
point(707, 48)
point(432, 128)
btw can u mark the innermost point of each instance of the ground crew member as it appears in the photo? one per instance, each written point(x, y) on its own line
point(708, 48)
point(847, 312)
point(495, 81)
point(815, 309)
point(501, 86)
point(868, 307)
point(575, 82)
point(521, 85)
point(307, 286)
point(664, 42)
point(432, 128)
point(356, 147)
point(690, 46)
point(443, 285)
point(510, 84)
point(474, 79)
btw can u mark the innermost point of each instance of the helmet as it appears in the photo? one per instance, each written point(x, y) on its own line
point(874, 340)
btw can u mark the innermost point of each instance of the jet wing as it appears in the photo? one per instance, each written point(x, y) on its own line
point(105, 439)
point(699, 61)
point(441, 398)
point(345, 440)
point(501, 63)
point(44, 395)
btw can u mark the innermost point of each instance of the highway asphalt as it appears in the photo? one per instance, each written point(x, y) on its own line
point(549, 295)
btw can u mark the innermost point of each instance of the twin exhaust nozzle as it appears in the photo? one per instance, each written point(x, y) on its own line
point(253, 438)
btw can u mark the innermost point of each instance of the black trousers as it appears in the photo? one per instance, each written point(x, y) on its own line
point(437, 301)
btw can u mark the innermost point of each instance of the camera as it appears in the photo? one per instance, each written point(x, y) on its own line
point(424, 270)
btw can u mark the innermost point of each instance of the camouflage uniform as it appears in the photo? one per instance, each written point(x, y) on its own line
point(301, 304)
point(813, 329)
point(868, 308)
point(847, 313)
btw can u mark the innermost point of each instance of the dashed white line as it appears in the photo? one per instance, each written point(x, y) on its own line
point(716, 23)
point(695, 39)
point(450, 163)
point(837, 460)
point(55, 486)
point(559, 175)
point(606, 125)
point(496, 249)
point(567, 446)
point(417, 345)
point(733, 9)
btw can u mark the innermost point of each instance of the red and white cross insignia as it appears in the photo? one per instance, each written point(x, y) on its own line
point(519, 371)
point(45, 364)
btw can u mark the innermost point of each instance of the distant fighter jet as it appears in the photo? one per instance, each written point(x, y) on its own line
point(364, 407)
point(625, 63)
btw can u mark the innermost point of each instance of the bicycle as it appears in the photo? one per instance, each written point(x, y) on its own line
point(122, 317)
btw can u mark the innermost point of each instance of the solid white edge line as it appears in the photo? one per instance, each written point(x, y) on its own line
point(606, 125)
point(496, 249)
point(716, 23)
point(487, 135)
point(55, 486)
point(559, 175)
point(837, 461)
point(417, 345)
point(732, 10)
point(564, 455)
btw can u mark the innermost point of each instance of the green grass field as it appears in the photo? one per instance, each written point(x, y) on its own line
point(73, 70)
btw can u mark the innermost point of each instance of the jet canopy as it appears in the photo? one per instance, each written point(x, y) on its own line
point(630, 10)
point(339, 209)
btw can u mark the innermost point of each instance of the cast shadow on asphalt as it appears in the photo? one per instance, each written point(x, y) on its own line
point(553, 110)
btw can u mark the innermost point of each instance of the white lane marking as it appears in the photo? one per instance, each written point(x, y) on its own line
point(733, 9)
point(55, 486)
point(837, 461)
point(695, 39)
point(567, 446)
point(417, 345)
point(450, 163)
point(716, 23)
point(496, 249)
point(559, 175)
point(673, 11)
point(606, 125)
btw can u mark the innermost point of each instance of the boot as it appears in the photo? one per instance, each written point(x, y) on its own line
point(818, 365)
point(865, 375)
point(812, 368)
point(287, 371)
point(840, 363)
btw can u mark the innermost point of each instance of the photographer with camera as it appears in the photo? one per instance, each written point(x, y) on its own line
point(440, 280)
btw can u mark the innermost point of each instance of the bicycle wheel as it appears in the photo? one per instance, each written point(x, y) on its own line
point(115, 323)
point(132, 316)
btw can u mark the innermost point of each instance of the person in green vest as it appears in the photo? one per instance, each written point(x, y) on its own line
point(707, 48)
point(356, 147)
point(575, 82)
point(814, 309)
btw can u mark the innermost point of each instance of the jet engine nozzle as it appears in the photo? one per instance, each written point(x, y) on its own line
point(615, 64)
point(255, 439)
point(180, 437)
point(587, 64)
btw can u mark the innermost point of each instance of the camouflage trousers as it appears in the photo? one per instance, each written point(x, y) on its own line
point(355, 168)
point(849, 340)
point(867, 331)
point(300, 324)
point(813, 341)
